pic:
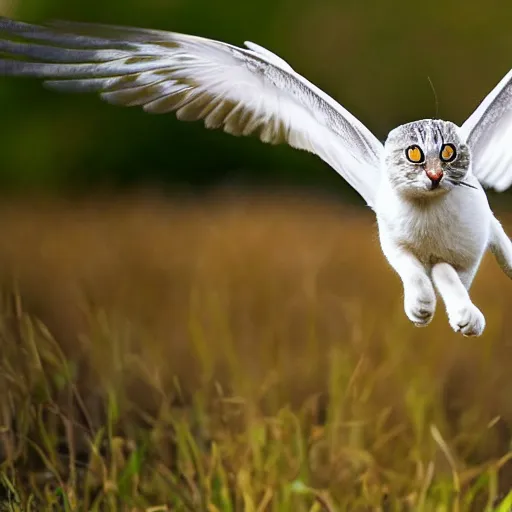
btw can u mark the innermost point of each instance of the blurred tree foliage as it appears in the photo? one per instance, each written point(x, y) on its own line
point(374, 57)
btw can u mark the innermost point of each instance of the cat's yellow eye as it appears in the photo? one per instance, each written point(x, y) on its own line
point(414, 154)
point(448, 153)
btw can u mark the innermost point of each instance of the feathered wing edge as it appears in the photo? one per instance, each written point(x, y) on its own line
point(488, 132)
point(243, 91)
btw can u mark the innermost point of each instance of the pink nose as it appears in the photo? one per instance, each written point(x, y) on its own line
point(435, 174)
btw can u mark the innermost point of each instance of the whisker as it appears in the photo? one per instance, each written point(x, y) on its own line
point(467, 185)
point(453, 182)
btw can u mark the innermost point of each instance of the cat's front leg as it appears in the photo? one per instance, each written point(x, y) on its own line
point(419, 294)
point(463, 315)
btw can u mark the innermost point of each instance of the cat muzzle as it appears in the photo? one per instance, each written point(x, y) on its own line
point(435, 175)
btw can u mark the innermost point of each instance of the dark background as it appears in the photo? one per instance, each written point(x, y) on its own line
point(374, 57)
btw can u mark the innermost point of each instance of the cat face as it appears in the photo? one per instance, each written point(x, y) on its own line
point(426, 158)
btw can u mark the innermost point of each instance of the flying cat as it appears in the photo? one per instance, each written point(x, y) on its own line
point(424, 183)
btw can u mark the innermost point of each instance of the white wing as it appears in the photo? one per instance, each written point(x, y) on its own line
point(242, 91)
point(488, 132)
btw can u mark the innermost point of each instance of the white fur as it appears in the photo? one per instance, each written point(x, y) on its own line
point(438, 243)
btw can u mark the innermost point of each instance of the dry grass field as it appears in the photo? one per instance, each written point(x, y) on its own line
point(238, 354)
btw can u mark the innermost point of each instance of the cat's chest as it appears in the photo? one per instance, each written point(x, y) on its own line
point(441, 231)
point(432, 231)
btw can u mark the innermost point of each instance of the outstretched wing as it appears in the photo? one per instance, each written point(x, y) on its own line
point(243, 91)
point(488, 132)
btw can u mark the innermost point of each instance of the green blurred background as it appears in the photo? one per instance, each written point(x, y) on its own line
point(374, 57)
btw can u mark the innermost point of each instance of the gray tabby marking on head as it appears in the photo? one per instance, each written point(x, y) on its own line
point(429, 135)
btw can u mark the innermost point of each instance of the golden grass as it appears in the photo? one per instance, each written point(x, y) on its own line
point(237, 354)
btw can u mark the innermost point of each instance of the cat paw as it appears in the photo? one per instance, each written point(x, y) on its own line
point(467, 320)
point(420, 310)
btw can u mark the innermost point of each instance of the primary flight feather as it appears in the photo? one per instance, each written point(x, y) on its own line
point(424, 183)
point(244, 91)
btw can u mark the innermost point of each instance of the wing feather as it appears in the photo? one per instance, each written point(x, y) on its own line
point(488, 131)
point(244, 91)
